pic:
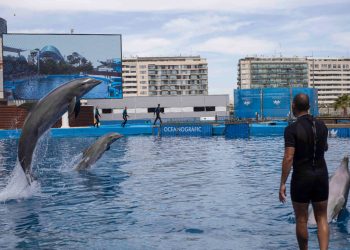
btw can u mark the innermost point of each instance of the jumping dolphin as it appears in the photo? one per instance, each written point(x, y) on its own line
point(45, 114)
point(95, 151)
point(339, 185)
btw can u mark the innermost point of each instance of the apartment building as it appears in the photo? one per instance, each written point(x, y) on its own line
point(165, 76)
point(330, 76)
point(255, 72)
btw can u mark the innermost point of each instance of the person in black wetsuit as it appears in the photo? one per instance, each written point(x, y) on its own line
point(305, 145)
point(97, 117)
point(157, 113)
point(125, 116)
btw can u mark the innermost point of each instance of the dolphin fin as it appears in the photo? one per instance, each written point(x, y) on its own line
point(71, 105)
point(338, 207)
point(27, 106)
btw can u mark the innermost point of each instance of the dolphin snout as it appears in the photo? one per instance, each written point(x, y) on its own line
point(93, 81)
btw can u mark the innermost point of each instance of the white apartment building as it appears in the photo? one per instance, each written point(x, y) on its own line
point(165, 76)
point(331, 76)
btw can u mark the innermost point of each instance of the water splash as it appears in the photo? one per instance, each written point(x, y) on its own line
point(17, 186)
point(70, 164)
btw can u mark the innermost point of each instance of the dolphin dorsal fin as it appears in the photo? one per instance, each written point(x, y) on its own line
point(71, 105)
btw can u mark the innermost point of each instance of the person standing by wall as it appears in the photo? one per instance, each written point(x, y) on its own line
point(97, 117)
point(125, 116)
point(305, 145)
point(157, 113)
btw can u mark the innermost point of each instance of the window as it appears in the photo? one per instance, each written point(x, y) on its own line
point(143, 72)
point(198, 109)
point(210, 108)
point(106, 111)
point(152, 110)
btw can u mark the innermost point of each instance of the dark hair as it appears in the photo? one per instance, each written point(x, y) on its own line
point(301, 102)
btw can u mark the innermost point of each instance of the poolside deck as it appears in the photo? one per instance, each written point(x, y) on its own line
point(242, 130)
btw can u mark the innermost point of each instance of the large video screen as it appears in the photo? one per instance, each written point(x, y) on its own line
point(35, 64)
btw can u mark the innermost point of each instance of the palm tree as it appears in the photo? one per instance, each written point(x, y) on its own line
point(343, 102)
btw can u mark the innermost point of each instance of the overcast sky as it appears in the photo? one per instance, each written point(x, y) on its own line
point(220, 30)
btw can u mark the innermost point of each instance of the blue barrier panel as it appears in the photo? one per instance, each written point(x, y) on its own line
point(271, 102)
point(219, 129)
point(269, 129)
point(276, 102)
point(247, 103)
point(186, 130)
point(237, 130)
point(341, 132)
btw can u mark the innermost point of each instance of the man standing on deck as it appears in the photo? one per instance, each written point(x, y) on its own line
point(157, 113)
point(125, 116)
point(305, 145)
point(97, 117)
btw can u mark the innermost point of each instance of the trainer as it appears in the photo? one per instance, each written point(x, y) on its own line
point(157, 113)
point(305, 145)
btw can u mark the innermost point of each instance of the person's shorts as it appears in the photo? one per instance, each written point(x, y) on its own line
point(307, 188)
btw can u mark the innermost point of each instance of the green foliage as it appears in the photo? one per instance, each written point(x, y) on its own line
point(74, 65)
point(342, 102)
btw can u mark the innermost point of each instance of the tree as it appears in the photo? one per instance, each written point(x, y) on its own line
point(343, 102)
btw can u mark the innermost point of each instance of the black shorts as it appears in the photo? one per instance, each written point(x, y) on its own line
point(308, 187)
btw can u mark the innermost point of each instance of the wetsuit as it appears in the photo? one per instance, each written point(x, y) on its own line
point(97, 118)
point(310, 175)
point(125, 117)
point(157, 112)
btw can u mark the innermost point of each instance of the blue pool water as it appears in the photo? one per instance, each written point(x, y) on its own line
point(37, 88)
point(157, 193)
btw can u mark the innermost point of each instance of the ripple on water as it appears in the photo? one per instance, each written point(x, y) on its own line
point(156, 193)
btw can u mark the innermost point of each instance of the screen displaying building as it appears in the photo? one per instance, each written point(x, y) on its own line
point(35, 64)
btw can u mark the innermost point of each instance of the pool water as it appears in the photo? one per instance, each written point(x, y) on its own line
point(158, 193)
